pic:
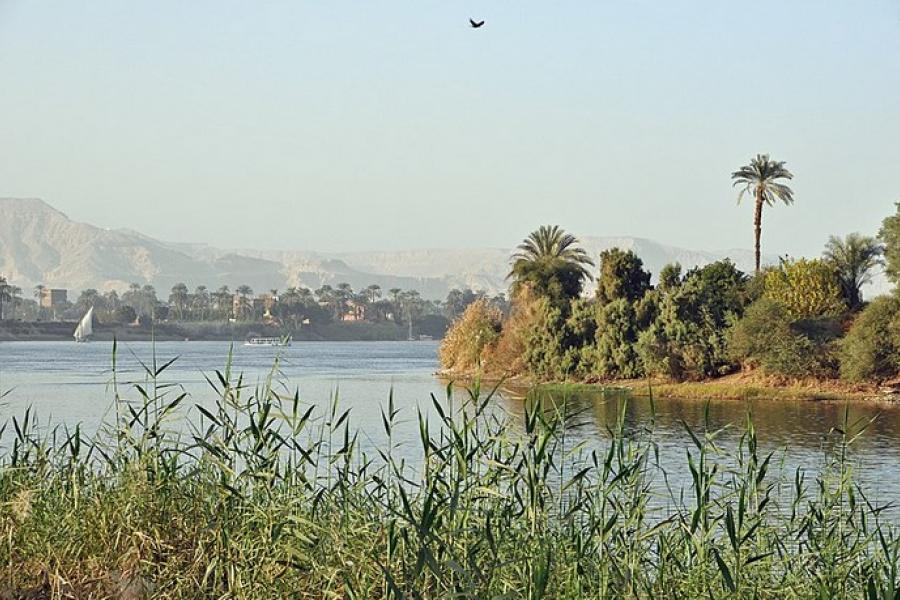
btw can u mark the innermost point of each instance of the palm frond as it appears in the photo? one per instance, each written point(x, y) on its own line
point(760, 178)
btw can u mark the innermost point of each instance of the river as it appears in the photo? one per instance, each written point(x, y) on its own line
point(68, 383)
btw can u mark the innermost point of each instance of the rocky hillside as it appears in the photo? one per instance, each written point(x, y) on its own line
point(39, 244)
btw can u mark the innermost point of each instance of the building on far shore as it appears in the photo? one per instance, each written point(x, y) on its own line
point(354, 312)
point(243, 307)
point(54, 298)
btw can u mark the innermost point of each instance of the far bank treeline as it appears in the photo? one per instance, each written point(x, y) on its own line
point(371, 313)
point(801, 319)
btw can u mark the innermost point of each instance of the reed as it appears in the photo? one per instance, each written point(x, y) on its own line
point(261, 494)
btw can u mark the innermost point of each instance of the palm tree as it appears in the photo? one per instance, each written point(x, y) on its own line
point(551, 262)
point(244, 305)
point(853, 259)
point(179, 299)
point(222, 298)
point(200, 301)
point(4, 294)
point(760, 179)
point(374, 292)
point(38, 294)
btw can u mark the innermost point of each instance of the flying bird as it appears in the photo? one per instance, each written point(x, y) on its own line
point(475, 24)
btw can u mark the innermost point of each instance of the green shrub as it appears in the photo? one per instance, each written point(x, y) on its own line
point(871, 350)
point(889, 235)
point(622, 276)
point(800, 356)
point(687, 340)
point(615, 354)
point(545, 348)
point(769, 338)
point(555, 344)
point(751, 337)
point(806, 288)
point(669, 277)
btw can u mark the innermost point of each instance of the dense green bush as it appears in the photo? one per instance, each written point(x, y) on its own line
point(786, 320)
point(615, 353)
point(545, 349)
point(871, 350)
point(687, 340)
point(750, 339)
point(622, 276)
point(769, 338)
point(669, 277)
point(556, 346)
point(889, 235)
point(806, 288)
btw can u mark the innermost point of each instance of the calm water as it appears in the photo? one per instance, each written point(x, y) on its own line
point(69, 383)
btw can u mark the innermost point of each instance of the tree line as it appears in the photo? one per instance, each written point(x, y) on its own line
point(292, 307)
point(801, 318)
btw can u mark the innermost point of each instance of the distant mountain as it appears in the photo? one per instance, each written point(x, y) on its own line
point(39, 244)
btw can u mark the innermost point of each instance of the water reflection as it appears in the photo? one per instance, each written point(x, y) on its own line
point(802, 434)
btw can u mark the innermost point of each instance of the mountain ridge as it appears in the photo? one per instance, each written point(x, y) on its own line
point(40, 244)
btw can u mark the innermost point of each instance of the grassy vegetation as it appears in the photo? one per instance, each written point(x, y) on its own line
point(733, 387)
point(737, 388)
point(262, 495)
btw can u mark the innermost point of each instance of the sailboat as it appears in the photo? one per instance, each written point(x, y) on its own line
point(85, 327)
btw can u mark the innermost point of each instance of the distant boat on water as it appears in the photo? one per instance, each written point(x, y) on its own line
point(268, 341)
point(85, 327)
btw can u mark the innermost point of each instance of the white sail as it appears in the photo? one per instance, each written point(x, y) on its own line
point(85, 327)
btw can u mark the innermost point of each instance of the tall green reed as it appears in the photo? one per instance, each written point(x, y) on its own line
point(255, 492)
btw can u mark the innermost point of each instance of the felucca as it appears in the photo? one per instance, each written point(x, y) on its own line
point(85, 327)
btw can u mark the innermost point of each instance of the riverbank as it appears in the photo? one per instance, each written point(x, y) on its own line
point(21, 331)
point(738, 386)
point(261, 506)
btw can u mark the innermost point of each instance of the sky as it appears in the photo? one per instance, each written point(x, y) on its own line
point(358, 125)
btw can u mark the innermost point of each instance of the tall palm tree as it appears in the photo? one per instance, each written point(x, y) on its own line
point(4, 294)
point(853, 259)
point(374, 292)
point(759, 178)
point(200, 301)
point(551, 262)
point(244, 305)
point(179, 299)
point(38, 294)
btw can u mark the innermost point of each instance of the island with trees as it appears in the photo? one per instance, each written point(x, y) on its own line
point(799, 328)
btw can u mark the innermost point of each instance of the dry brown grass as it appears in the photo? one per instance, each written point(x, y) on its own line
point(470, 338)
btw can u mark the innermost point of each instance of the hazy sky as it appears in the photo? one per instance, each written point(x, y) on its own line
point(359, 125)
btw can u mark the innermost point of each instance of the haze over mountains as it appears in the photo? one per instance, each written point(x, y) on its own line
point(41, 245)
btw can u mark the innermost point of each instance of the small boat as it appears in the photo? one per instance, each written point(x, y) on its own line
point(85, 327)
point(269, 341)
